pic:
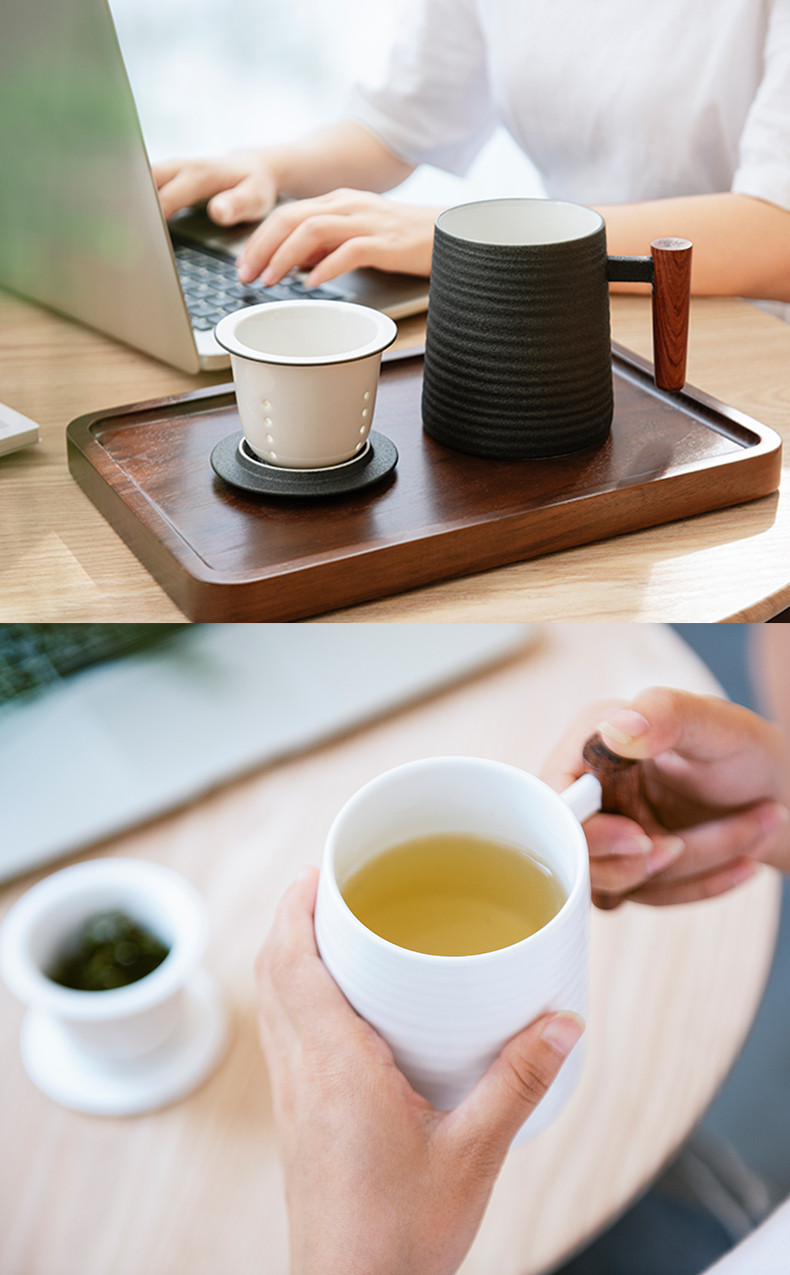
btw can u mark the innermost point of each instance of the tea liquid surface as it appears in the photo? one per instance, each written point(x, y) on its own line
point(453, 894)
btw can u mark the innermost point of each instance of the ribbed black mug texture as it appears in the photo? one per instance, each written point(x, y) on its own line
point(518, 359)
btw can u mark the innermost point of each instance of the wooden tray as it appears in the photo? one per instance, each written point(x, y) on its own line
point(222, 555)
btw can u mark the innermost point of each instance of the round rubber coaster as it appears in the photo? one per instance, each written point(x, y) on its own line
point(232, 460)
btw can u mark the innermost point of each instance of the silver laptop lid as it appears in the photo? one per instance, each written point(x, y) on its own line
point(81, 228)
point(157, 721)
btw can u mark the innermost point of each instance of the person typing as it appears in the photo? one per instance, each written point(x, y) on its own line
point(670, 121)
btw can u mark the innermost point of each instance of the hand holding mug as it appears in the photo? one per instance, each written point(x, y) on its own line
point(376, 1179)
point(447, 1009)
point(714, 796)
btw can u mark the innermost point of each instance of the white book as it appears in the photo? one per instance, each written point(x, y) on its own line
point(16, 430)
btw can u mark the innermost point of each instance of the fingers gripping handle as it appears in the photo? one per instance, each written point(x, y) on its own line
point(583, 797)
point(611, 784)
point(620, 778)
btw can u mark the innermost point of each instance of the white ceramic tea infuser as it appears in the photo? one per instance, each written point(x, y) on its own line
point(306, 374)
point(132, 1048)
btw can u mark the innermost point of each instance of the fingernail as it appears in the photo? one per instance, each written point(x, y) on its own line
point(633, 844)
point(774, 817)
point(562, 1032)
point(244, 272)
point(606, 902)
point(269, 277)
point(624, 726)
point(665, 851)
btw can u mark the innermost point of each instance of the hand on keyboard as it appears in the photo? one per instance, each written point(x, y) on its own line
point(212, 288)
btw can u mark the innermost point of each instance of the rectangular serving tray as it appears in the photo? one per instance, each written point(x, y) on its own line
point(223, 555)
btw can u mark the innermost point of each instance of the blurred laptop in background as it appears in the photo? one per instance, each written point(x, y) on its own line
point(105, 725)
point(81, 227)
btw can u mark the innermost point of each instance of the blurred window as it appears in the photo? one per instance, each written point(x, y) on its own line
point(213, 75)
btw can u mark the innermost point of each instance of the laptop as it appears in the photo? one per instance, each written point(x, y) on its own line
point(103, 726)
point(81, 227)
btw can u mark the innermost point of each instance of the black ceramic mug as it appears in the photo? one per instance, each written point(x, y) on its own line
point(518, 358)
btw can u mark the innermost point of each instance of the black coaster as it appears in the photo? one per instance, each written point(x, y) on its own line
point(232, 460)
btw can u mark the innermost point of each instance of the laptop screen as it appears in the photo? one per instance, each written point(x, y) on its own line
point(82, 229)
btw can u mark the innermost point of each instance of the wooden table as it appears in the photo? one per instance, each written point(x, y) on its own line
point(197, 1187)
point(59, 559)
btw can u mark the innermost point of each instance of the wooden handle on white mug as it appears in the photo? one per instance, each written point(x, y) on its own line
point(620, 778)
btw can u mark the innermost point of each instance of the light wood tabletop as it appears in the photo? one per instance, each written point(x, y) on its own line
point(197, 1187)
point(60, 560)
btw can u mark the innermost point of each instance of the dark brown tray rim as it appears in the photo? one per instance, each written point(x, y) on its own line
point(761, 442)
point(724, 419)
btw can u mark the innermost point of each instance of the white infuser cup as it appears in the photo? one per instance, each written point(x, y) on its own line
point(306, 375)
point(130, 1049)
point(446, 1018)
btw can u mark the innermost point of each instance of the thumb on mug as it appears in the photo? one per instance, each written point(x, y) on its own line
point(518, 1079)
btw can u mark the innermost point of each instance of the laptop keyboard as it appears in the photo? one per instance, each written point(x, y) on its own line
point(33, 656)
point(212, 289)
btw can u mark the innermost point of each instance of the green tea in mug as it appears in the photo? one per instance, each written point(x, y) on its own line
point(453, 894)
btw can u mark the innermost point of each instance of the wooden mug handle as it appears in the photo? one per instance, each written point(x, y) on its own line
point(620, 778)
point(671, 299)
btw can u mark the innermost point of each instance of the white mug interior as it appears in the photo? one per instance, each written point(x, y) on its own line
point(520, 222)
point(458, 794)
point(305, 333)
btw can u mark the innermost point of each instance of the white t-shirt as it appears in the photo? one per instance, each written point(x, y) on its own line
point(614, 101)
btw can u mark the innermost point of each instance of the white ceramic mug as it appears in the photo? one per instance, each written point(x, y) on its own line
point(447, 1018)
point(132, 1048)
point(306, 374)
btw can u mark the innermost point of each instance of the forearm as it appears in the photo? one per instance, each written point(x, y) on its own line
point(343, 154)
point(741, 244)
